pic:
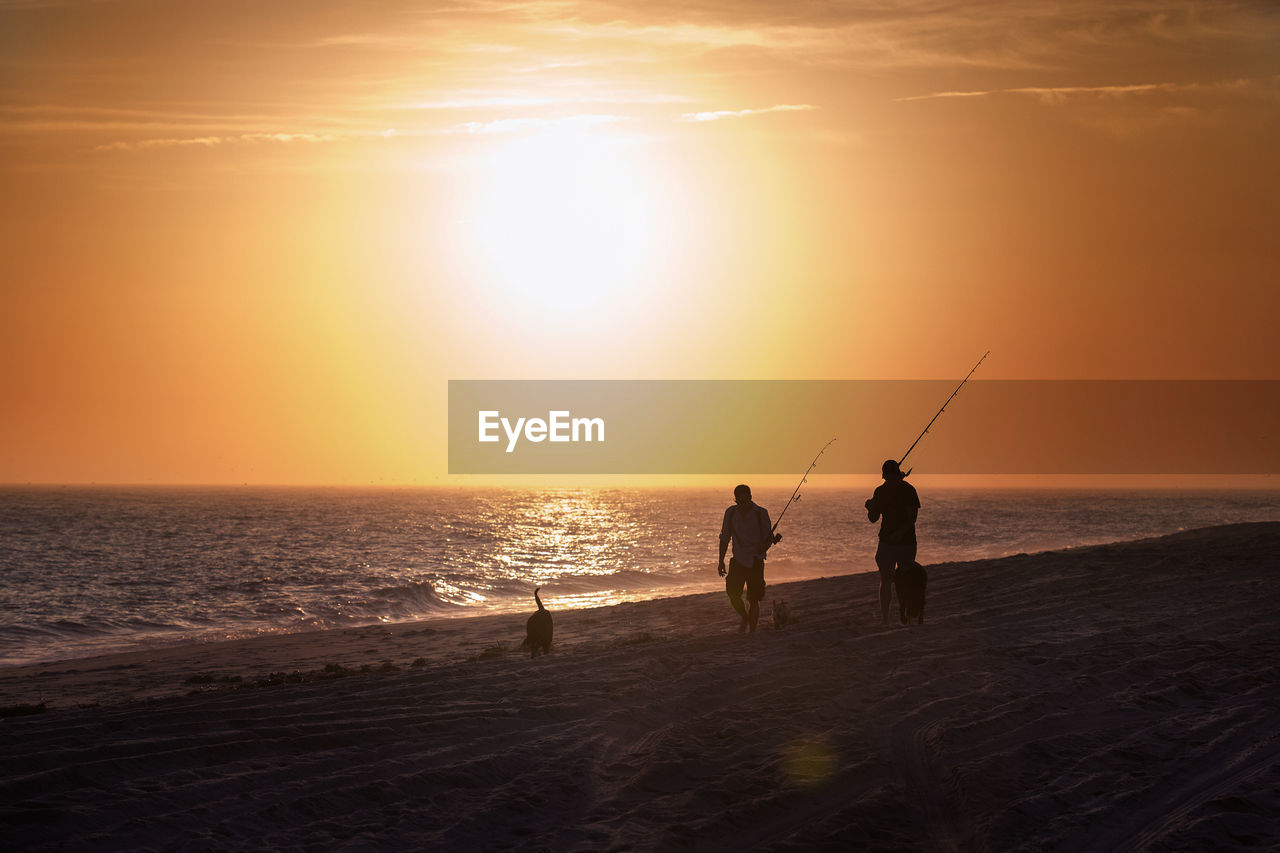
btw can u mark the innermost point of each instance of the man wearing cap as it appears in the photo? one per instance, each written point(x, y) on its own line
point(895, 505)
point(747, 526)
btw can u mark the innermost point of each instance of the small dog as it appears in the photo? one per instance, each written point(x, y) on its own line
point(781, 614)
point(911, 582)
point(538, 630)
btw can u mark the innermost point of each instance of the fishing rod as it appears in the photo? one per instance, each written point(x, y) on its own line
point(940, 411)
point(795, 496)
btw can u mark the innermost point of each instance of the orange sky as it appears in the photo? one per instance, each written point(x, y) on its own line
point(251, 242)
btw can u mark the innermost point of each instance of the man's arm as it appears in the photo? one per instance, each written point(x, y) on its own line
point(873, 511)
point(725, 535)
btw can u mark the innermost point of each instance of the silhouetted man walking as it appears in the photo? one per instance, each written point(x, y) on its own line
point(896, 502)
point(747, 526)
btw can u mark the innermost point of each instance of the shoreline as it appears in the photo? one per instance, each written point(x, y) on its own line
point(141, 673)
point(1107, 697)
point(208, 578)
point(784, 570)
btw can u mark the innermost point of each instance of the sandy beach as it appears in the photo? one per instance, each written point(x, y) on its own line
point(1118, 697)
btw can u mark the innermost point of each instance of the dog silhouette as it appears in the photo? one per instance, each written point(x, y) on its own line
point(538, 630)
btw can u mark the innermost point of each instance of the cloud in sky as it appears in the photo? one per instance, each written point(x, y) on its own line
point(211, 141)
point(909, 34)
point(212, 73)
point(716, 115)
point(517, 125)
point(515, 99)
point(1059, 94)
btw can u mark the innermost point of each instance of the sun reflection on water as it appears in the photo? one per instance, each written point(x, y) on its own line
point(572, 535)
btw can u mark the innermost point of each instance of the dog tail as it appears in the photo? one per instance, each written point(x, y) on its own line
point(539, 600)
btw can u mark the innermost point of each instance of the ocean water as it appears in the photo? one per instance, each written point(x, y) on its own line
point(90, 570)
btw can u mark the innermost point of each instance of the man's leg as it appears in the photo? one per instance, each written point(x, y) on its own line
point(733, 583)
point(755, 592)
point(906, 557)
point(885, 562)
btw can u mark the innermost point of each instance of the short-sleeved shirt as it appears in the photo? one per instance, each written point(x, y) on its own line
point(750, 531)
point(894, 500)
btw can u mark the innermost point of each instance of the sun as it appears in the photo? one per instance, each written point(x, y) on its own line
point(562, 223)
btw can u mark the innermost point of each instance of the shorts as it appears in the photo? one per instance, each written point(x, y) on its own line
point(752, 576)
point(892, 557)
